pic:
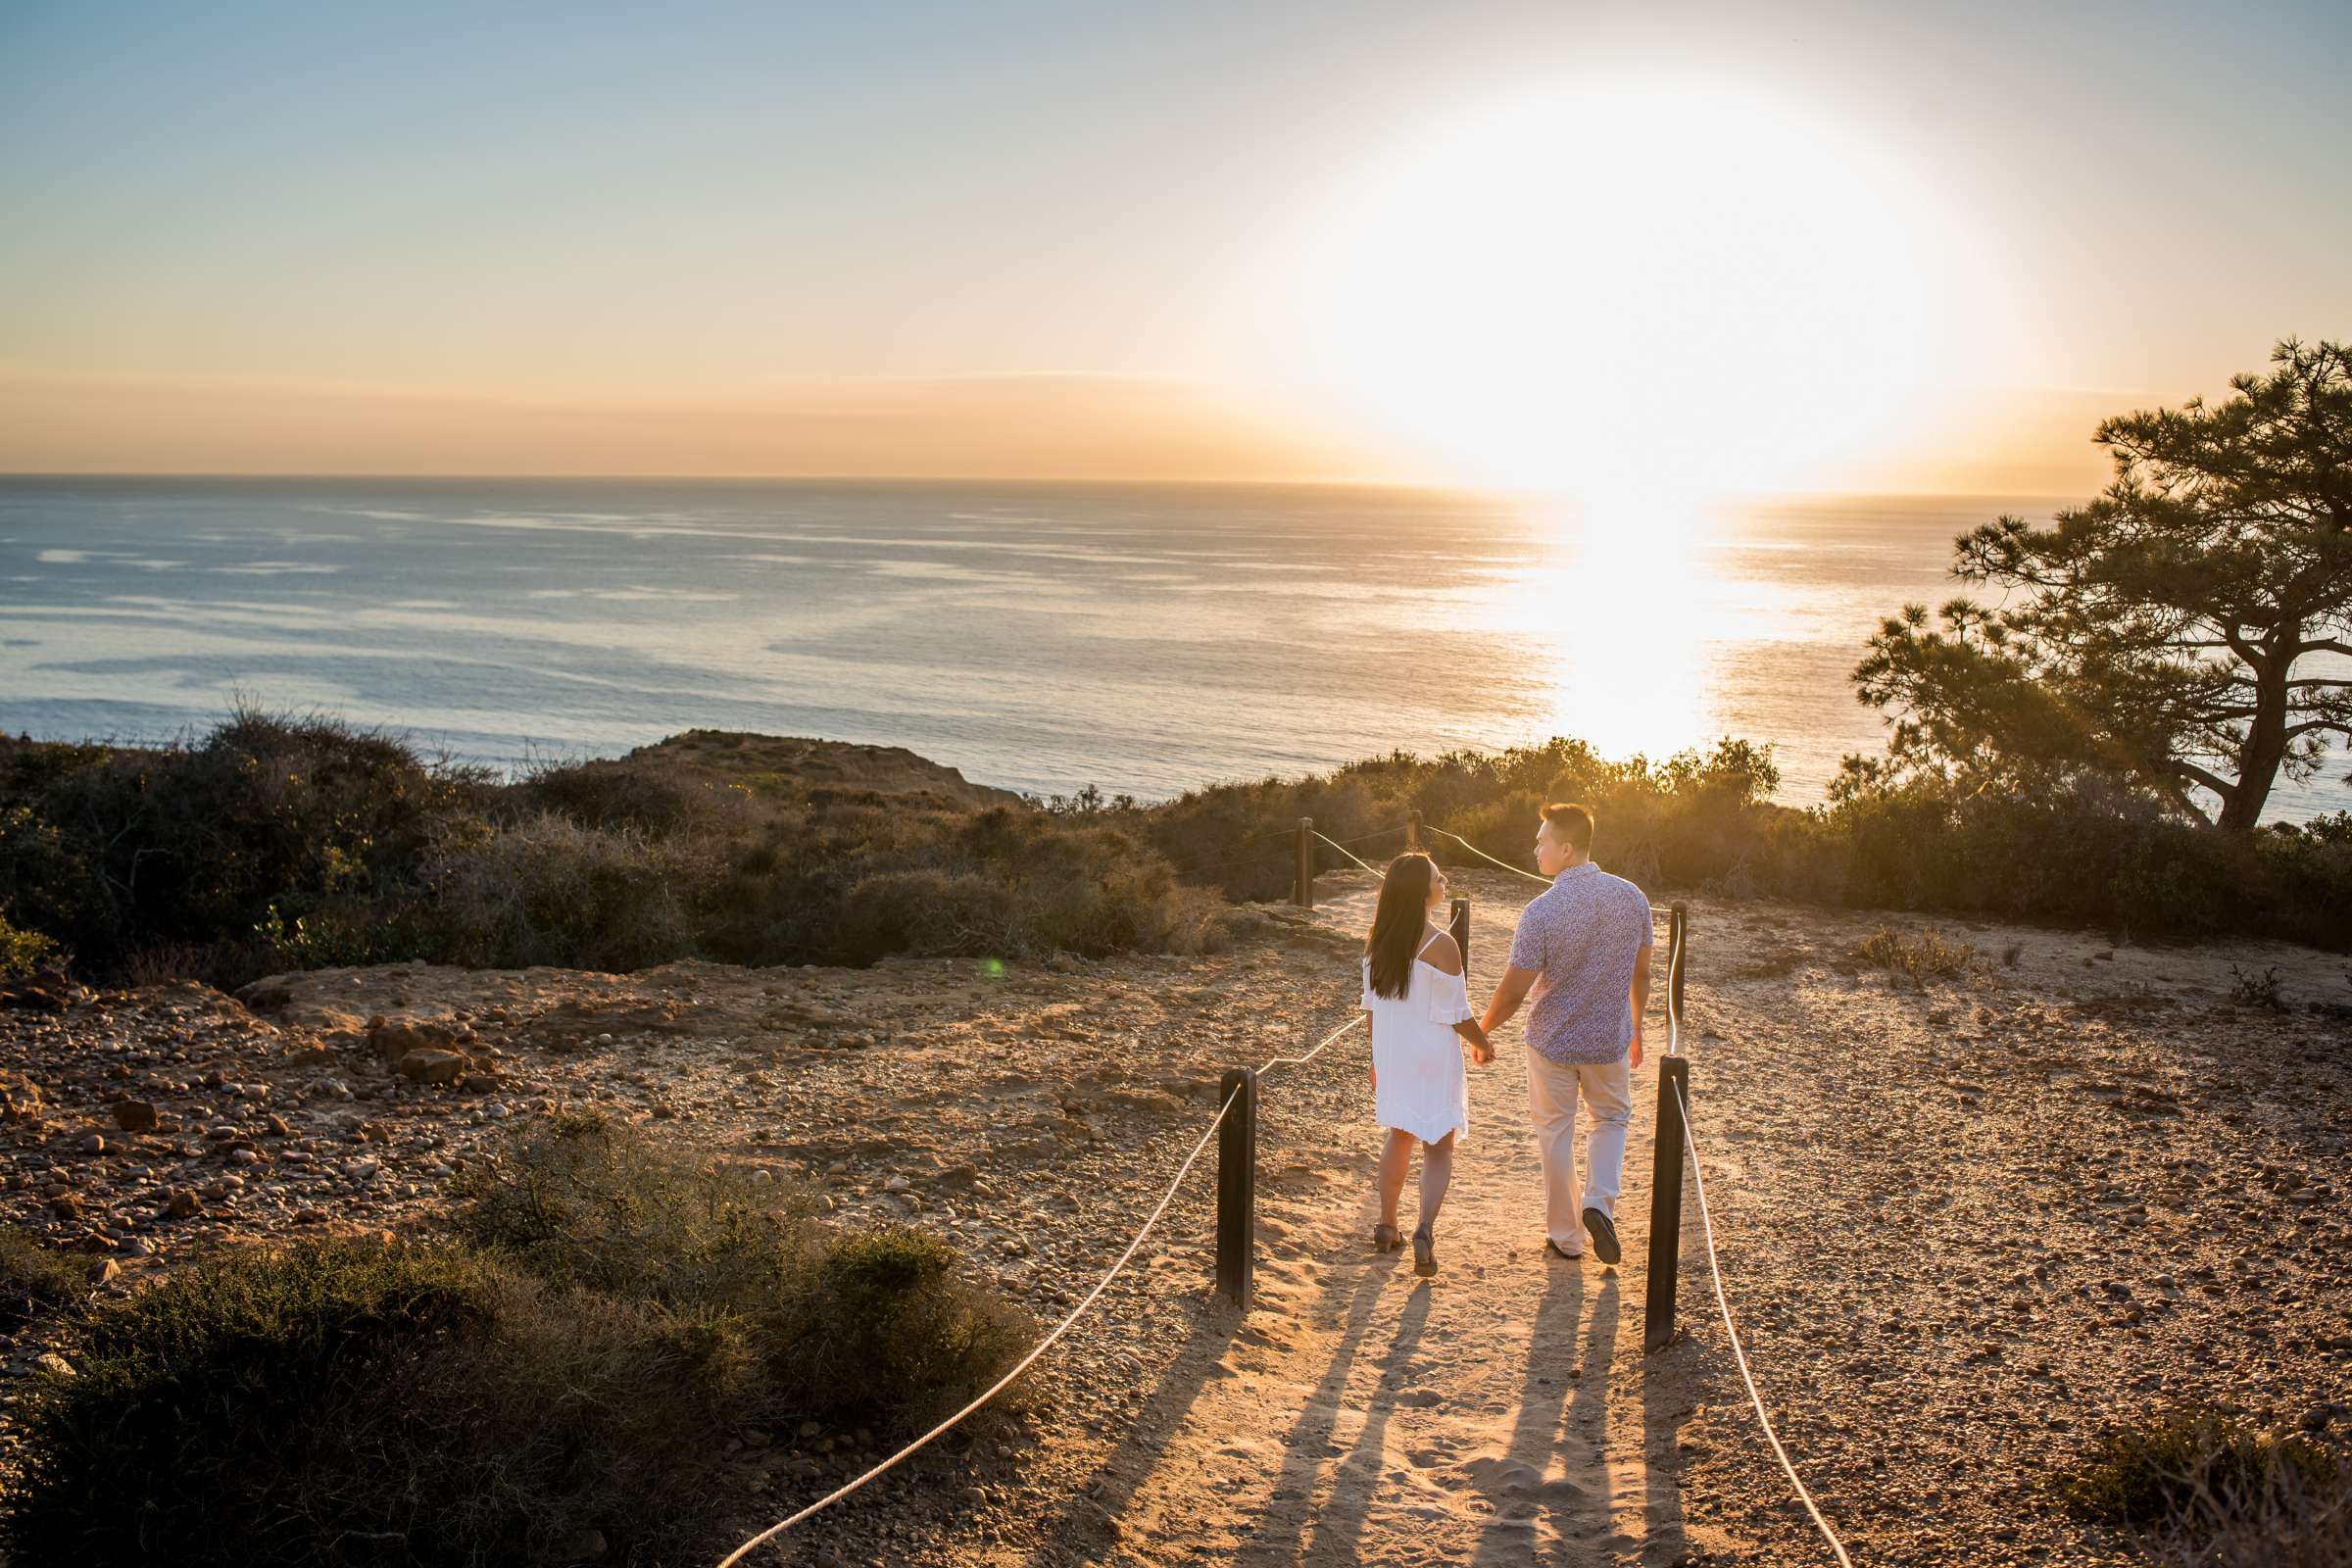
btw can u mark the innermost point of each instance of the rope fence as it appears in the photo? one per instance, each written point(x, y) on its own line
point(884, 1468)
point(1739, 1352)
point(1235, 1218)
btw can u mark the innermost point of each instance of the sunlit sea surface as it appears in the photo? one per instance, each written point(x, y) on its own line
point(1039, 637)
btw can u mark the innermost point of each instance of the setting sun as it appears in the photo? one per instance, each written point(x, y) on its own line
point(1626, 294)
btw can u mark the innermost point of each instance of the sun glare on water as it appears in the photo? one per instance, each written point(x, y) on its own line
point(1638, 297)
point(1628, 302)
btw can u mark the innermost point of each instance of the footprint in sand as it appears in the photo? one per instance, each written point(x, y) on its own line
point(1519, 1488)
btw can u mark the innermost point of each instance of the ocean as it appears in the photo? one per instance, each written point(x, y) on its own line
point(1041, 637)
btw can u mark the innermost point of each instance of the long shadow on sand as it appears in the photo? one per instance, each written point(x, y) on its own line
point(1557, 1381)
point(1086, 1531)
point(1309, 1442)
point(1339, 1522)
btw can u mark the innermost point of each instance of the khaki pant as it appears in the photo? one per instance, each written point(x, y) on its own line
point(1607, 1088)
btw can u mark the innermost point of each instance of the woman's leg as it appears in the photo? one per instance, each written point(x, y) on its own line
point(1436, 1172)
point(1394, 1156)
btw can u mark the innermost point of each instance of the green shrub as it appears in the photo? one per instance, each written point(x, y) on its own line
point(887, 1323)
point(278, 843)
point(1923, 957)
point(883, 1330)
point(116, 851)
point(548, 891)
point(2203, 1485)
point(35, 1280)
point(157, 1445)
point(570, 1362)
point(27, 952)
point(588, 1202)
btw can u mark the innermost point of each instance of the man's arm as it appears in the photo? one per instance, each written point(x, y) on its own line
point(1510, 990)
point(1640, 1000)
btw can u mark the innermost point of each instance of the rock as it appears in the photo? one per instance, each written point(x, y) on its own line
point(427, 1064)
point(54, 1365)
point(964, 1175)
point(265, 995)
point(183, 1203)
point(310, 1216)
point(90, 1144)
point(66, 1207)
point(244, 1156)
point(105, 1271)
point(898, 1184)
point(278, 1127)
point(395, 1038)
point(19, 1097)
point(135, 1115)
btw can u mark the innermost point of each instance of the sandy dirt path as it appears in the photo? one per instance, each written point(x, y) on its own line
point(1500, 1413)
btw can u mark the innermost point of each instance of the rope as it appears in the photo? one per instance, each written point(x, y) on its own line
point(1300, 1061)
point(1350, 854)
point(1484, 856)
point(998, 1386)
point(1059, 1329)
point(1715, 1269)
point(1376, 833)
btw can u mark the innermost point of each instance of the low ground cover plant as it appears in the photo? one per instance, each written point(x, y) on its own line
point(563, 1368)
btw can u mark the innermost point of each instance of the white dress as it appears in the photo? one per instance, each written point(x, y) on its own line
point(1422, 1086)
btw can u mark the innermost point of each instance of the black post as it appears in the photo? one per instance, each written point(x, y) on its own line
point(1459, 926)
point(1302, 887)
point(1236, 1186)
point(1665, 1204)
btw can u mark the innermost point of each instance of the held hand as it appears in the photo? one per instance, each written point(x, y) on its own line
point(1636, 1050)
point(1481, 1050)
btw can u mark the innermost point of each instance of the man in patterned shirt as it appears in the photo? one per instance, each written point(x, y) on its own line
point(1583, 950)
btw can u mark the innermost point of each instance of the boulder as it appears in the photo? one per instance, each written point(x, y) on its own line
point(425, 1065)
point(135, 1115)
point(395, 1038)
point(266, 994)
point(183, 1204)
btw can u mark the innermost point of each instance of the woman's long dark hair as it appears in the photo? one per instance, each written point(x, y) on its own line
point(1399, 922)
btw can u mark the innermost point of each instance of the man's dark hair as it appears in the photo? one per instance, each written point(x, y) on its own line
point(1572, 826)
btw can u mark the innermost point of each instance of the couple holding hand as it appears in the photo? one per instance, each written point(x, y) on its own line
point(1582, 951)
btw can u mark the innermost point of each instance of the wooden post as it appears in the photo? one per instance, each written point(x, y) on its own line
point(1236, 1186)
point(1665, 1204)
point(1459, 926)
point(1412, 832)
point(1303, 888)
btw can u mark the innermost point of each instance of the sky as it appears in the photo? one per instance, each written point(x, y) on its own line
point(1782, 246)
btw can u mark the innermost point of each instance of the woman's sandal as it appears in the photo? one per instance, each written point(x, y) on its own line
point(1385, 1238)
point(1425, 1254)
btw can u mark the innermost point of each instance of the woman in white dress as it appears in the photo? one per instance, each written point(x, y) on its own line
point(1415, 993)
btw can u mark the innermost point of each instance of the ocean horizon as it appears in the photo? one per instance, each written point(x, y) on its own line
point(1042, 637)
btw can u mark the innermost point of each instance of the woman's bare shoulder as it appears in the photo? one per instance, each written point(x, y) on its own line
point(1442, 954)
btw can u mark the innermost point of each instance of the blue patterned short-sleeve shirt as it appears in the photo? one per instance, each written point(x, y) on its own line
point(1582, 938)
